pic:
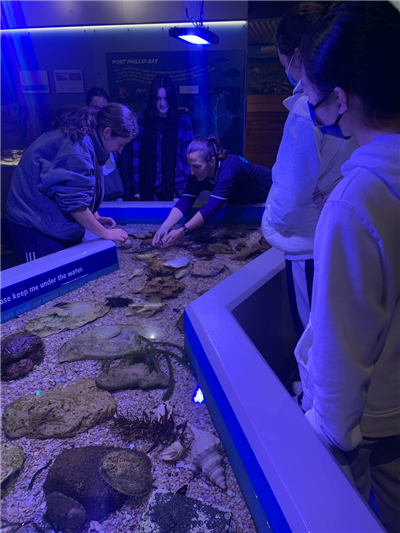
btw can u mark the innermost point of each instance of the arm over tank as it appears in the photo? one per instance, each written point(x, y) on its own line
point(295, 173)
point(69, 180)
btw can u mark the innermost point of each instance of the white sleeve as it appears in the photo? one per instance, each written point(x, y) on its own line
point(295, 173)
point(348, 321)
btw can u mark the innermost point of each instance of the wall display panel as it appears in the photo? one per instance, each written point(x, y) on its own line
point(210, 86)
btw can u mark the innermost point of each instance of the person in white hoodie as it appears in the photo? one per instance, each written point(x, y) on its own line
point(306, 171)
point(350, 352)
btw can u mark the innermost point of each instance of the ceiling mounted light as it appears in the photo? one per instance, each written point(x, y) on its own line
point(196, 34)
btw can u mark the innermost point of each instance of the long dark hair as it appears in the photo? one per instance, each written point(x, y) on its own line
point(82, 121)
point(96, 91)
point(356, 47)
point(162, 81)
point(295, 23)
point(208, 147)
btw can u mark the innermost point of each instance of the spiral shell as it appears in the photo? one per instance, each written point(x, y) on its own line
point(207, 454)
point(173, 452)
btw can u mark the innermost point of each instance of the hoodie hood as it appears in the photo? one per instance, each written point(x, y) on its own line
point(297, 92)
point(381, 157)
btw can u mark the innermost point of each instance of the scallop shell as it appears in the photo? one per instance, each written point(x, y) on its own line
point(181, 273)
point(146, 310)
point(136, 272)
point(162, 410)
point(207, 454)
point(173, 452)
point(179, 262)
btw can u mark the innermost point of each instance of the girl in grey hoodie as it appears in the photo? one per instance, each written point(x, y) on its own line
point(349, 354)
point(58, 185)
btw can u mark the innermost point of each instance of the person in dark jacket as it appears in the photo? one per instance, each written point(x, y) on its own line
point(118, 170)
point(160, 166)
point(229, 178)
point(58, 185)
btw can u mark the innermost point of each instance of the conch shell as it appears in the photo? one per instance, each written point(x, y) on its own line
point(173, 452)
point(206, 454)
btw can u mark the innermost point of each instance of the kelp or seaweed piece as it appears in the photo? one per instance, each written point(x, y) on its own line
point(148, 352)
point(65, 317)
point(159, 432)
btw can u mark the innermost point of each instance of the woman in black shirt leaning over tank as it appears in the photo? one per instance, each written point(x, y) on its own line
point(229, 178)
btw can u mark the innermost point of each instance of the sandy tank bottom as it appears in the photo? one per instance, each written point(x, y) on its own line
point(22, 505)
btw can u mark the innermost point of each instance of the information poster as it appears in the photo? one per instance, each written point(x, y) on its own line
point(210, 87)
point(68, 81)
point(34, 81)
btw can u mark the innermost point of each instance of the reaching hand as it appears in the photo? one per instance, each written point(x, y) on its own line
point(172, 237)
point(116, 235)
point(159, 237)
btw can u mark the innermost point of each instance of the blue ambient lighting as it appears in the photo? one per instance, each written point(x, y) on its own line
point(193, 39)
point(37, 392)
point(198, 396)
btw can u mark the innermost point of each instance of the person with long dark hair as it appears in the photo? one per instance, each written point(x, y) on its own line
point(160, 168)
point(58, 186)
point(349, 354)
point(306, 170)
point(229, 178)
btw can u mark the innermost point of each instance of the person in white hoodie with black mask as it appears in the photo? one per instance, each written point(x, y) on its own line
point(306, 170)
point(349, 354)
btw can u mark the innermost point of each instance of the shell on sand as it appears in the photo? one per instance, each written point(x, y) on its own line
point(173, 452)
point(179, 262)
point(146, 310)
point(207, 454)
point(182, 273)
point(162, 410)
point(128, 471)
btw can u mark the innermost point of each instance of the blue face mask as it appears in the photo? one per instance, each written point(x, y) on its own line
point(330, 129)
point(294, 83)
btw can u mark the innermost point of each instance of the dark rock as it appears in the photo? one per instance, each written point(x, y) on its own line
point(180, 323)
point(169, 513)
point(76, 474)
point(20, 352)
point(118, 302)
point(126, 376)
point(64, 512)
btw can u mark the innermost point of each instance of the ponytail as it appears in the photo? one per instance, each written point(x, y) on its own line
point(208, 147)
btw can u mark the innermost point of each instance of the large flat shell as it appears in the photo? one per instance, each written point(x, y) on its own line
point(67, 316)
point(128, 471)
point(207, 270)
point(179, 262)
point(101, 343)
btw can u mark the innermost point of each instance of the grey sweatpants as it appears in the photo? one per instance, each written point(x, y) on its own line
point(376, 464)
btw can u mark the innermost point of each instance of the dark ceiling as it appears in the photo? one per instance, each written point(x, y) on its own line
point(269, 9)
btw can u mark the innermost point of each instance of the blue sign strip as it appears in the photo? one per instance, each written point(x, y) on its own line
point(55, 293)
point(24, 291)
point(255, 487)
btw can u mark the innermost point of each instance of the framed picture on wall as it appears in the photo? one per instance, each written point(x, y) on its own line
point(69, 81)
point(34, 81)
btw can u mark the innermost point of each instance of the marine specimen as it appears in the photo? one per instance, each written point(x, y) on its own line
point(179, 262)
point(145, 257)
point(136, 272)
point(19, 353)
point(173, 453)
point(163, 410)
point(254, 244)
point(59, 412)
point(158, 432)
point(146, 310)
point(159, 288)
point(128, 471)
point(207, 270)
point(148, 352)
point(119, 302)
point(137, 376)
point(68, 316)
point(12, 459)
point(181, 273)
point(206, 453)
point(102, 342)
point(76, 492)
